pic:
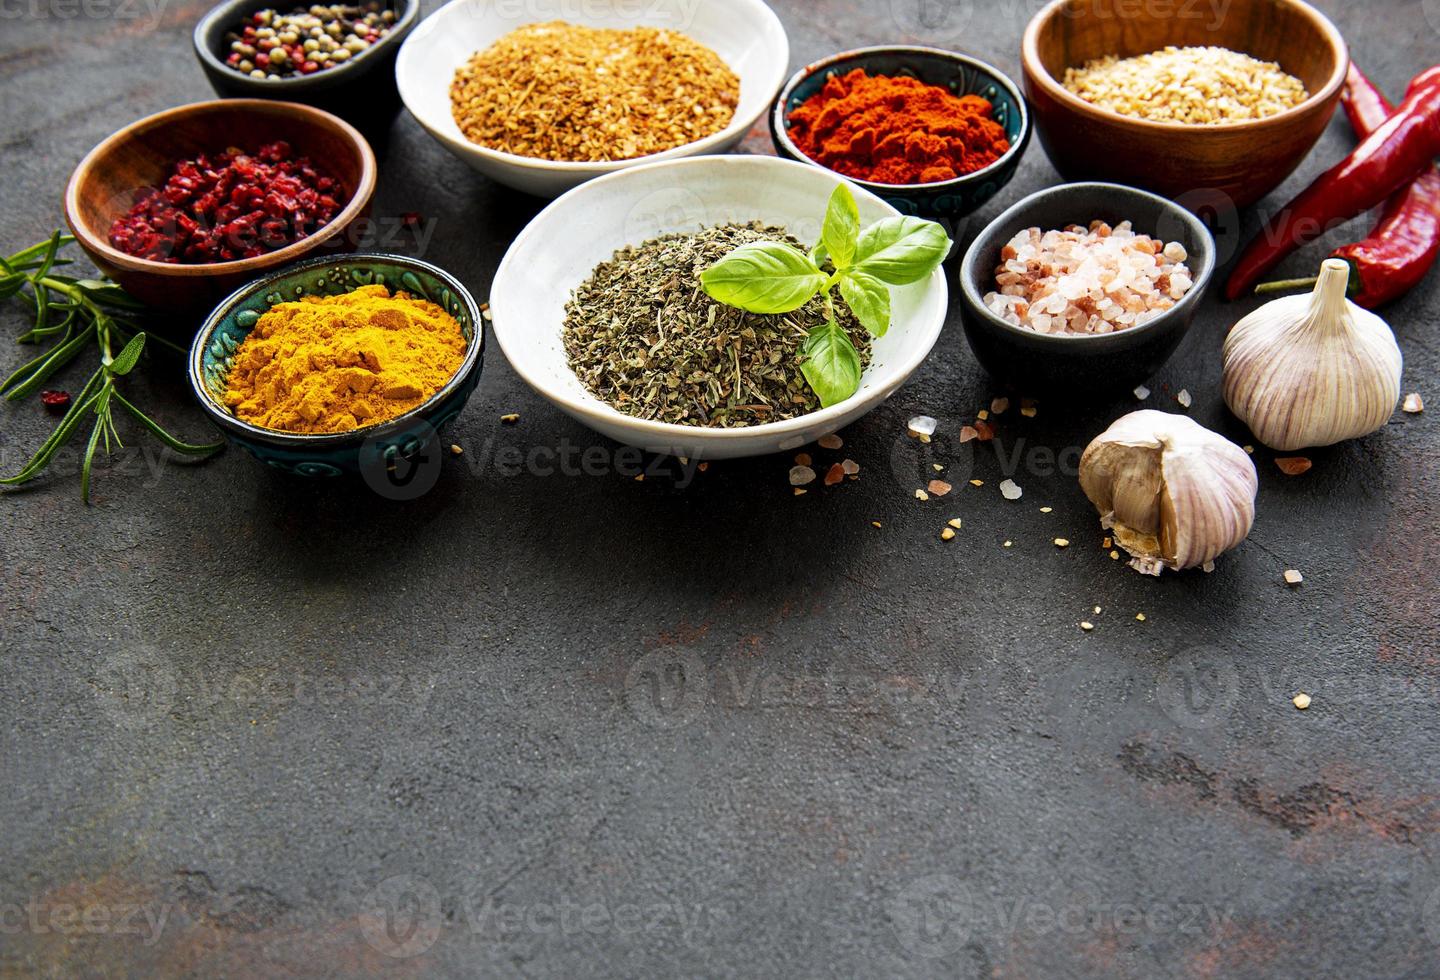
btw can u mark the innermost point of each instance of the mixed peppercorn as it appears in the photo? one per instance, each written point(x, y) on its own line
point(305, 40)
point(230, 205)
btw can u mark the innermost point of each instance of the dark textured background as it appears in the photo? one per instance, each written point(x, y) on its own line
point(273, 711)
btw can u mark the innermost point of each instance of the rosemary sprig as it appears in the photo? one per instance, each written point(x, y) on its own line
point(79, 312)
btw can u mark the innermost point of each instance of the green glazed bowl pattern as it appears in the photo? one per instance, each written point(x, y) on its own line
point(960, 74)
point(377, 446)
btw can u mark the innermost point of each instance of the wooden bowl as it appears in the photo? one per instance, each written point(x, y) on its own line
point(103, 187)
point(1204, 165)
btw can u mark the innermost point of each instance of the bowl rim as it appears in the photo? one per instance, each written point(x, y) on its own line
point(1036, 71)
point(100, 244)
point(297, 84)
point(781, 132)
point(321, 440)
point(736, 130)
point(975, 301)
point(673, 433)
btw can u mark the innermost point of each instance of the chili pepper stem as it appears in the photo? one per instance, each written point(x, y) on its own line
point(1286, 285)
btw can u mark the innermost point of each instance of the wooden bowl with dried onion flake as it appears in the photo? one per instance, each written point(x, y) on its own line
point(1213, 167)
point(745, 34)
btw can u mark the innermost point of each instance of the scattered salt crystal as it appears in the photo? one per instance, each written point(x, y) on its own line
point(921, 427)
point(830, 442)
point(1414, 404)
point(921, 495)
point(937, 467)
point(1087, 627)
point(1301, 701)
point(947, 534)
point(1142, 393)
point(800, 491)
point(1183, 398)
point(939, 488)
point(1175, 253)
point(955, 522)
point(1293, 577)
point(999, 405)
point(968, 433)
point(850, 467)
point(1062, 543)
point(1208, 567)
point(1010, 490)
point(1045, 510)
point(977, 483)
point(801, 475)
point(834, 475)
point(803, 459)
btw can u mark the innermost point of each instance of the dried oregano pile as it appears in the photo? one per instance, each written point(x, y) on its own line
point(560, 91)
point(644, 337)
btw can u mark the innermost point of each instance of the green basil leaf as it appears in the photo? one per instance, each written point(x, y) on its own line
point(831, 365)
point(763, 277)
point(127, 358)
point(841, 230)
point(901, 250)
point(869, 299)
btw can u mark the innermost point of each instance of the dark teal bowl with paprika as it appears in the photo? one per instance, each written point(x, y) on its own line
point(961, 75)
point(370, 450)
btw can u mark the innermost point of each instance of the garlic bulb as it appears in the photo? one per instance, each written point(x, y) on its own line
point(1175, 494)
point(1312, 370)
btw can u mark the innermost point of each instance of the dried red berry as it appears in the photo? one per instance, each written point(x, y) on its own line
point(55, 401)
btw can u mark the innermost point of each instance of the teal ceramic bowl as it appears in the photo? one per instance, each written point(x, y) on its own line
point(362, 450)
point(960, 74)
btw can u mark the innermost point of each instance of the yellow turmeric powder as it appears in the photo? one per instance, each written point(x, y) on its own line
point(337, 363)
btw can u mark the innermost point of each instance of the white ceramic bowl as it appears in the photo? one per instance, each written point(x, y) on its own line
point(559, 249)
point(745, 33)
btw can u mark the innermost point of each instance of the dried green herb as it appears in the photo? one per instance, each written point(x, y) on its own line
point(644, 337)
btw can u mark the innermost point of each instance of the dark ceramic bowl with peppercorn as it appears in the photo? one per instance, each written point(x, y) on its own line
point(354, 79)
point(109, 183)
point(957, 73)
point(1081, 365)
point(374, 451)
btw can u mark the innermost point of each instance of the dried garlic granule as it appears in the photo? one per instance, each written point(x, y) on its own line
point(559, 91)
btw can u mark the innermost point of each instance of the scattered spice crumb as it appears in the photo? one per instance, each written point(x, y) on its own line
point(1208, 567)
point(1062, 542)
point(510, 419)
point(1414, 404)
point(977, 483)
point(803, 459)
point(1108, 542)
point(1010, 490)
point(937, 467)
point(1293, 577)
point(455, 450)
point(486, 315)
point(1139, 617)
point(947, 534)
point(800, 491)
point(830, 442)
point(921, 495)
point(1097, 610)
point(1293, 465)
point(703, 467)
point(640, 478)
point(956, 523)
point(939, 488)
point(801, 475)
point(1029, 407)
point(876, 524)
point(1142, 393)
point(55, 401)
point(968, 434)
point(1087, 626)
point(1046, 510)
point(1183, 398)
point(921, 427)
point(1009, 543)
point(1250, 450)
point(982, 415)
point(1000, 405)
point(834, 475)
point(1114, 556)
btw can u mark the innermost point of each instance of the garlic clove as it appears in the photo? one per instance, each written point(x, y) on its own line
point(1308, 371)
point(1175, 494)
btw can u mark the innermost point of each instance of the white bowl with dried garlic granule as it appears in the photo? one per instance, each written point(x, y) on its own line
point(442, 53)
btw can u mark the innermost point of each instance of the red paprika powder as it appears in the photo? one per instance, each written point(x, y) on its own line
point(896, 130)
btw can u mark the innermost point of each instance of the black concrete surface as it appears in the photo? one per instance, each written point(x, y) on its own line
point(539, 724)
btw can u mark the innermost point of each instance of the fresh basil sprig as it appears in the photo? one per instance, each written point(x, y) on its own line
point(772, 277)
point(81, 312)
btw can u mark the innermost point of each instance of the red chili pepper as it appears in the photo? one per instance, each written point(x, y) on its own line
point(1387, 160)
point(1404, 245)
